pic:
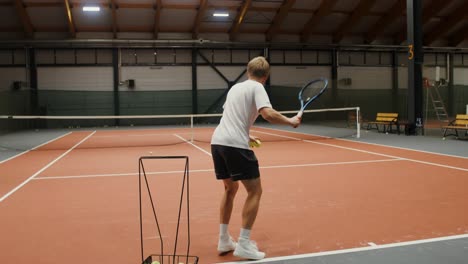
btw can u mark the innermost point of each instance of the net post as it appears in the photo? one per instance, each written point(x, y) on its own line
point(358, 123)
point(191, 128)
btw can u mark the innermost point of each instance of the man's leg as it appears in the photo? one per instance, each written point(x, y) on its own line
point(247, 248)
point(252, 203)
point(227, 202)
point(226, 243)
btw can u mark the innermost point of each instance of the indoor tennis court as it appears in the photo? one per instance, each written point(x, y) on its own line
point(77, 193)
point(108, 108)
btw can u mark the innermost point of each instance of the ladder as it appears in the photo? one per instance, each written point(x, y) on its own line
point(437, 102)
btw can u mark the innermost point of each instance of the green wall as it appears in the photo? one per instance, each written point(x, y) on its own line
point(68, 103)
point(370, 101)
point(13, 103)
point(131, 102)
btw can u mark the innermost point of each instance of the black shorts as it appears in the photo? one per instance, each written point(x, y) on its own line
point(234, 163)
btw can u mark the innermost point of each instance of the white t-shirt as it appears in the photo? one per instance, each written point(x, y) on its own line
point(243, 102)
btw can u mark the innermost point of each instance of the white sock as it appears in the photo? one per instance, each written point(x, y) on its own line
point(245, 233)
point(223, 230)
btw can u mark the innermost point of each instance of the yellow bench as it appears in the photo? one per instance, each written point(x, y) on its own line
point(460, 123)
point(387, 120)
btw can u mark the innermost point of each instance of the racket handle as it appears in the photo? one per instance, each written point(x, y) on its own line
point(300, 113)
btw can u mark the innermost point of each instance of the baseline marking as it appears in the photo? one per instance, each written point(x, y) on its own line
point(44, 168)
point(24, 152)
point(365, 151)
point(352, 250)
point(211, 170)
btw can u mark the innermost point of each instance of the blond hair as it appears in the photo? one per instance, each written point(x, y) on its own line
point(258, 67)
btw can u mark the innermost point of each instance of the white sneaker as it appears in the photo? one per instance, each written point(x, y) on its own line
point(226, 244)
point(248, 249)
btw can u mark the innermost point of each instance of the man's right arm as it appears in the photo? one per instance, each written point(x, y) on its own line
point(274, 117)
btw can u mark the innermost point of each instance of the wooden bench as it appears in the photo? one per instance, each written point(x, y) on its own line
point(460, 123)
point(387, 120)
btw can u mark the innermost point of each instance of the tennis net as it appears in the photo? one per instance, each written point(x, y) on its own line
point(63, 132)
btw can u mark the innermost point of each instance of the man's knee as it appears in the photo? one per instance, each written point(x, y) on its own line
point(231, 188)
point(253, 187)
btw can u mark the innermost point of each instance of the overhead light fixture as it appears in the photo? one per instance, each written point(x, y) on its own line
point(91, 8)
point(219, 14)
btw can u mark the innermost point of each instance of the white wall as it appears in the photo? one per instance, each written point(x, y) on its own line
point(158, 78)
point(208, 79)
point(460, 76)
point(430, 73)
point(402, 78)
point(9, 75)
point(365, 77)
point(75, 78)
point(61, 56)
point(180, 77)
point(297, 76)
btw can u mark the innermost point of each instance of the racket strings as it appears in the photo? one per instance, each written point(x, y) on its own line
point(311, 91)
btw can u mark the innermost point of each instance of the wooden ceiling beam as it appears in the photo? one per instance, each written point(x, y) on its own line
point(201, 12)
point(148, 29)
point(325, 8)
point(24, 17)
point(361, 10)
point(136, 5)
point(79, 5)
point(114, 18)
point(57, 29)
point(394, 13)
point(157, 17)
point(94, 29)
point(71, 23)
point(177, 6)
point(279, 18)
point(239, 19)
point(43, 4)
point(10, 29)
point(459, 36)
point(139, 29)
point(180, 7)
point(443, 27)
point(429, 12)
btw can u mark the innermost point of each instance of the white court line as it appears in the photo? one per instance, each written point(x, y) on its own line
point(365, 151)
point(44, 168)
point(24, 152)
point(210, 170)
point(352, 250)
point(140, 135)
point(416, 150)
point(368, 143)
point(204, 151)
point(136, 135)
point(114, 175)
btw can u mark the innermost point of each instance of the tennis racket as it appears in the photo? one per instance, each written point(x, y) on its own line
point(310, 92)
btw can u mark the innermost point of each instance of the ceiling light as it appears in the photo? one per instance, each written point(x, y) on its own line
point(221, 14)
point(91, 8)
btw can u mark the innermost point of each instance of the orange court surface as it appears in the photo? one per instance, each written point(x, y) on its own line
point(71, 202)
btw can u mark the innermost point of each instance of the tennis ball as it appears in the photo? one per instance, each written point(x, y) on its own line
point(155, 262)
point(255, 144)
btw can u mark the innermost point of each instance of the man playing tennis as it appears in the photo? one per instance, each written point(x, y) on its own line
point(233, 159)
